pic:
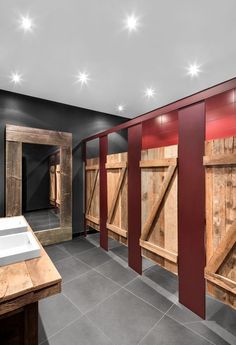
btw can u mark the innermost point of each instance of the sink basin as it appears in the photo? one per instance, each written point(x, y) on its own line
point(12, 225)
point(18, 247)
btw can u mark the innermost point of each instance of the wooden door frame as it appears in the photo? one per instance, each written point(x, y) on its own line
point(15, 137)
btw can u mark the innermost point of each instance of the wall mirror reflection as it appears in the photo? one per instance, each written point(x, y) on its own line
point(39, 181)
point(41, 187)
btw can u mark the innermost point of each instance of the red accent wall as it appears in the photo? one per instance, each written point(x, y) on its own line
point(220, 122)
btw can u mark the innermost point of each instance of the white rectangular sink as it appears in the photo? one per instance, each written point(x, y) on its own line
point(12, 225)
point(18, 247)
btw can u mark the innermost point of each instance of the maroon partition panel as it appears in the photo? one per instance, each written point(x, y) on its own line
point(84, 155)
point(191, 208)
point(103, 147)
point(134, 197)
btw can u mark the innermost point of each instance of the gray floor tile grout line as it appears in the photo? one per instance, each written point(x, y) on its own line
point(60, 330)
point(150, 304)
point(99, 329)
point(156, 323)
point(104, 300)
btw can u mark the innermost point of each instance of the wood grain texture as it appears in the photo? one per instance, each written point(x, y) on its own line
point(37, 136)
point(162, 232)
point(117, 190)
point(27, 281)
point(13, 178)
point(221, 218)
point(92, 193)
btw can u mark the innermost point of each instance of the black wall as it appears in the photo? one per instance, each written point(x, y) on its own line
point(33, 112)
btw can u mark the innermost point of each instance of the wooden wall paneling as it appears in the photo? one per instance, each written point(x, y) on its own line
point(13, 178)
point(191, 208)
point(117, 184)
point(159, 206)
point(220, 169)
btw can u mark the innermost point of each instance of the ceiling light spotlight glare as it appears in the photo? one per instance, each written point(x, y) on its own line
point(26, 23)
point(83, 78)
point(132, 23)
point(194, 70)
point(149, 92)
point(16, 78)
point(120, 108)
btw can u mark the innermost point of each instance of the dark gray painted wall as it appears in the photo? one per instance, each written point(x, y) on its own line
point(33, 112)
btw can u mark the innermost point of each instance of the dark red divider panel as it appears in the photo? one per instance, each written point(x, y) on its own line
point(134, 197)
point(191, 208)
point(84, 155)
point(103, 148)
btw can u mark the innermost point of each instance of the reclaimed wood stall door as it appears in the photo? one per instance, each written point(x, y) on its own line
point(220, 272)
point(92, 193)
point(117, 196)
point(159, 206)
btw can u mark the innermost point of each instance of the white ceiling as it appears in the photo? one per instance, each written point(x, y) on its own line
point(74, 35)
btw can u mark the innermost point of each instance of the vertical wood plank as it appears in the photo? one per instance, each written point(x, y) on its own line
point(13, 178)
point(191, 210)
point(31, 324)
point(134, 197)
point(66, 187)
point(103, 148)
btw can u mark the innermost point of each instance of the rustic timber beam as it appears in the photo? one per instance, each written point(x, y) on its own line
point(225, 159)
point(164, 162)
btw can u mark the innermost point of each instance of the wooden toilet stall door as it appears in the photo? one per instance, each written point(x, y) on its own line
point(117, 196)
point(159, 206)
point(92, 213)
point(220, 272)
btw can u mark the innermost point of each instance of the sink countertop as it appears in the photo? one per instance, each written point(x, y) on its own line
point(28, 281)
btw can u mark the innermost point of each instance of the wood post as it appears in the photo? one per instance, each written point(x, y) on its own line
point(103, 147)
point(191, 208)
point(134, 197)
point(84, 157)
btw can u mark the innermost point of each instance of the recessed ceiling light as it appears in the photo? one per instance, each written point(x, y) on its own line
point(194, 70)
point(26, 23)
point(83, 78)
point(132, 23)
point(149, 92)
point(16, 78)
point(120, 108)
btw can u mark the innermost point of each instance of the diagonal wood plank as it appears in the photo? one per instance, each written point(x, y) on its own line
point(92, 192)
point(116, 195)
point(150, 219)
point(222, 250)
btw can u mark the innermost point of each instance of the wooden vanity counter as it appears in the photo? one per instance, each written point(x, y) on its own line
point(22, 285)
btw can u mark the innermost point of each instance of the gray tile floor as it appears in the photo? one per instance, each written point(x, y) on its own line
point(103, 302)
point(43, 219)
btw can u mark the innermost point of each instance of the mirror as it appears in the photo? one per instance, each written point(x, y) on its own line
point(41, 186)
point(39, 181)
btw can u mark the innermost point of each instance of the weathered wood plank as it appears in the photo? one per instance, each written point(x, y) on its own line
point(92, 219)
point(164, 162)
point(13, 178)
point(37, 136)
point(91, 167)
point(151, 217)
point(116, 194)
point(223, 159)
point(92, 191)
point(117, 230)
point(116, 165)
point(171, 256)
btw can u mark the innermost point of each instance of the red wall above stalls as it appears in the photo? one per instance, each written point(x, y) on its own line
point(220, 122)
point(160, 131)
point(221, 115)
